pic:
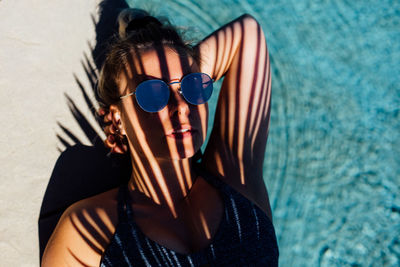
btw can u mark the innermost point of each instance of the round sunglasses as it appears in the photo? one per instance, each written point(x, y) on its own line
point(153, 95)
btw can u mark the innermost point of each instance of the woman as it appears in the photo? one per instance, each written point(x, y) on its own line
point(174, 211)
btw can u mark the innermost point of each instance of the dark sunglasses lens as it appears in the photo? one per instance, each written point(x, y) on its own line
point(197, 88)
point(152, 96)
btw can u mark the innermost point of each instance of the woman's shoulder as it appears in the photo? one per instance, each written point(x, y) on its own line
point(83, 231)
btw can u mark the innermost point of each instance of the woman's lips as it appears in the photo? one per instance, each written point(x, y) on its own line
point(181, 133)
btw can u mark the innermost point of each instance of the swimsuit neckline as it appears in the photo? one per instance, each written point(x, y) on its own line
point(217, 235)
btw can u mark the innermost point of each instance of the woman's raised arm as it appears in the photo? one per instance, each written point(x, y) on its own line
point(238, 140)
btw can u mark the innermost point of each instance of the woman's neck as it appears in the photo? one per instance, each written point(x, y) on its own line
point(162, 182)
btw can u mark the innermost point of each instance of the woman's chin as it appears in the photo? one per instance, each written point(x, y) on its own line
point(183, 154)
point(183, 148)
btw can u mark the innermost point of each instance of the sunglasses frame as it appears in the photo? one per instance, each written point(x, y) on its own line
point(168, 85)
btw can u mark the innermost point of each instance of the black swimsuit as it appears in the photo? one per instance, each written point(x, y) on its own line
point(245, 237)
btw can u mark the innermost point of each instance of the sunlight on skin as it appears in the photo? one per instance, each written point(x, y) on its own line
point(232, 79)
point(223, 59)
point(95, 228)
point(267, 104)
point(247, 51)
point(94, 224)
point(180, 177)
point(223, 55)
point(244, 109)
point(223, 118)
point(76, 259)
point(92, 231)
point(244, 101)
point(182, 107)
point(172, 144)
point(133, 120)
point(259, 66)
point(85, 232)
point(225, 37)
point(199, 221)
point(141, 150)
point(143, 177)
point(186, 169)
point(241, 109)
point(158, 169)
point(173, 147)
point(202, 109)
point(157, 172)
point(106, 220)
point(242, 113)
point(231, 114)
point(204, 225)
point(265, 93)
point(269, 94)
point(142, 186)
point(220, 167)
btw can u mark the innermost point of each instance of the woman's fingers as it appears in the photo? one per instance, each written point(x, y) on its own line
point(106, 114)
point(101, 111)
point(110, 141)
point(114, 141)
point(111, 129)
point(108, 117)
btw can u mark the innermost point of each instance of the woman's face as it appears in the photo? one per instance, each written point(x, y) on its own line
point(159, 134)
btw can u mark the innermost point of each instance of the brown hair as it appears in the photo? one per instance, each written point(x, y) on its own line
point(138, 32)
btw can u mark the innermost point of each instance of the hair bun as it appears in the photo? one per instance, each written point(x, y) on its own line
point(139, 23)
point(133, 19)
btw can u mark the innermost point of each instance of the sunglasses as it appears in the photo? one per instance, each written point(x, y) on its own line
point(153, 95)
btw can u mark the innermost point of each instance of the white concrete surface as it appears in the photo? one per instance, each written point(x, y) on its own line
point(41, 45)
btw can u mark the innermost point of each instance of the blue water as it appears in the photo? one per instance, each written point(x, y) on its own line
point(332, 164)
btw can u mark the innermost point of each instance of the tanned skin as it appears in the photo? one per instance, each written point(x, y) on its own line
point(172, 204)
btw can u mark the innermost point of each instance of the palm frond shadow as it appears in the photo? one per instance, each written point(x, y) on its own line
point(82, 171)
point(89, 131)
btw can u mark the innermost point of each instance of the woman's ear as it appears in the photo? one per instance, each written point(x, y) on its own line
point(116, 119)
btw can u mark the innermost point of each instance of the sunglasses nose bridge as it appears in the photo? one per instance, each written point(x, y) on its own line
point(176, 86)
point(178, 102)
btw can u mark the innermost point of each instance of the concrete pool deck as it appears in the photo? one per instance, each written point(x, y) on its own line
point(42, 44)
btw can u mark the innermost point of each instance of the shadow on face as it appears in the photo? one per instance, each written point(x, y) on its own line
point(158, 134)
point(172, 134)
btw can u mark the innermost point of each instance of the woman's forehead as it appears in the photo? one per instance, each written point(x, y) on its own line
point(165, 64)
point(161, 62)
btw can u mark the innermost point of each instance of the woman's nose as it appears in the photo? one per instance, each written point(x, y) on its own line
point(177, 102)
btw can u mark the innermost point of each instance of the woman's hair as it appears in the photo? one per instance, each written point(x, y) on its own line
point(138, 32)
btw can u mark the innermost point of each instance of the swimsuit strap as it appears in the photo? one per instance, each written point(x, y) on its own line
point(125, 212)
point(124, 209)
point(211, 179)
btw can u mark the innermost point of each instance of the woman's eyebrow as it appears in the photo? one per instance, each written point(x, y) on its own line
point(144, 77)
